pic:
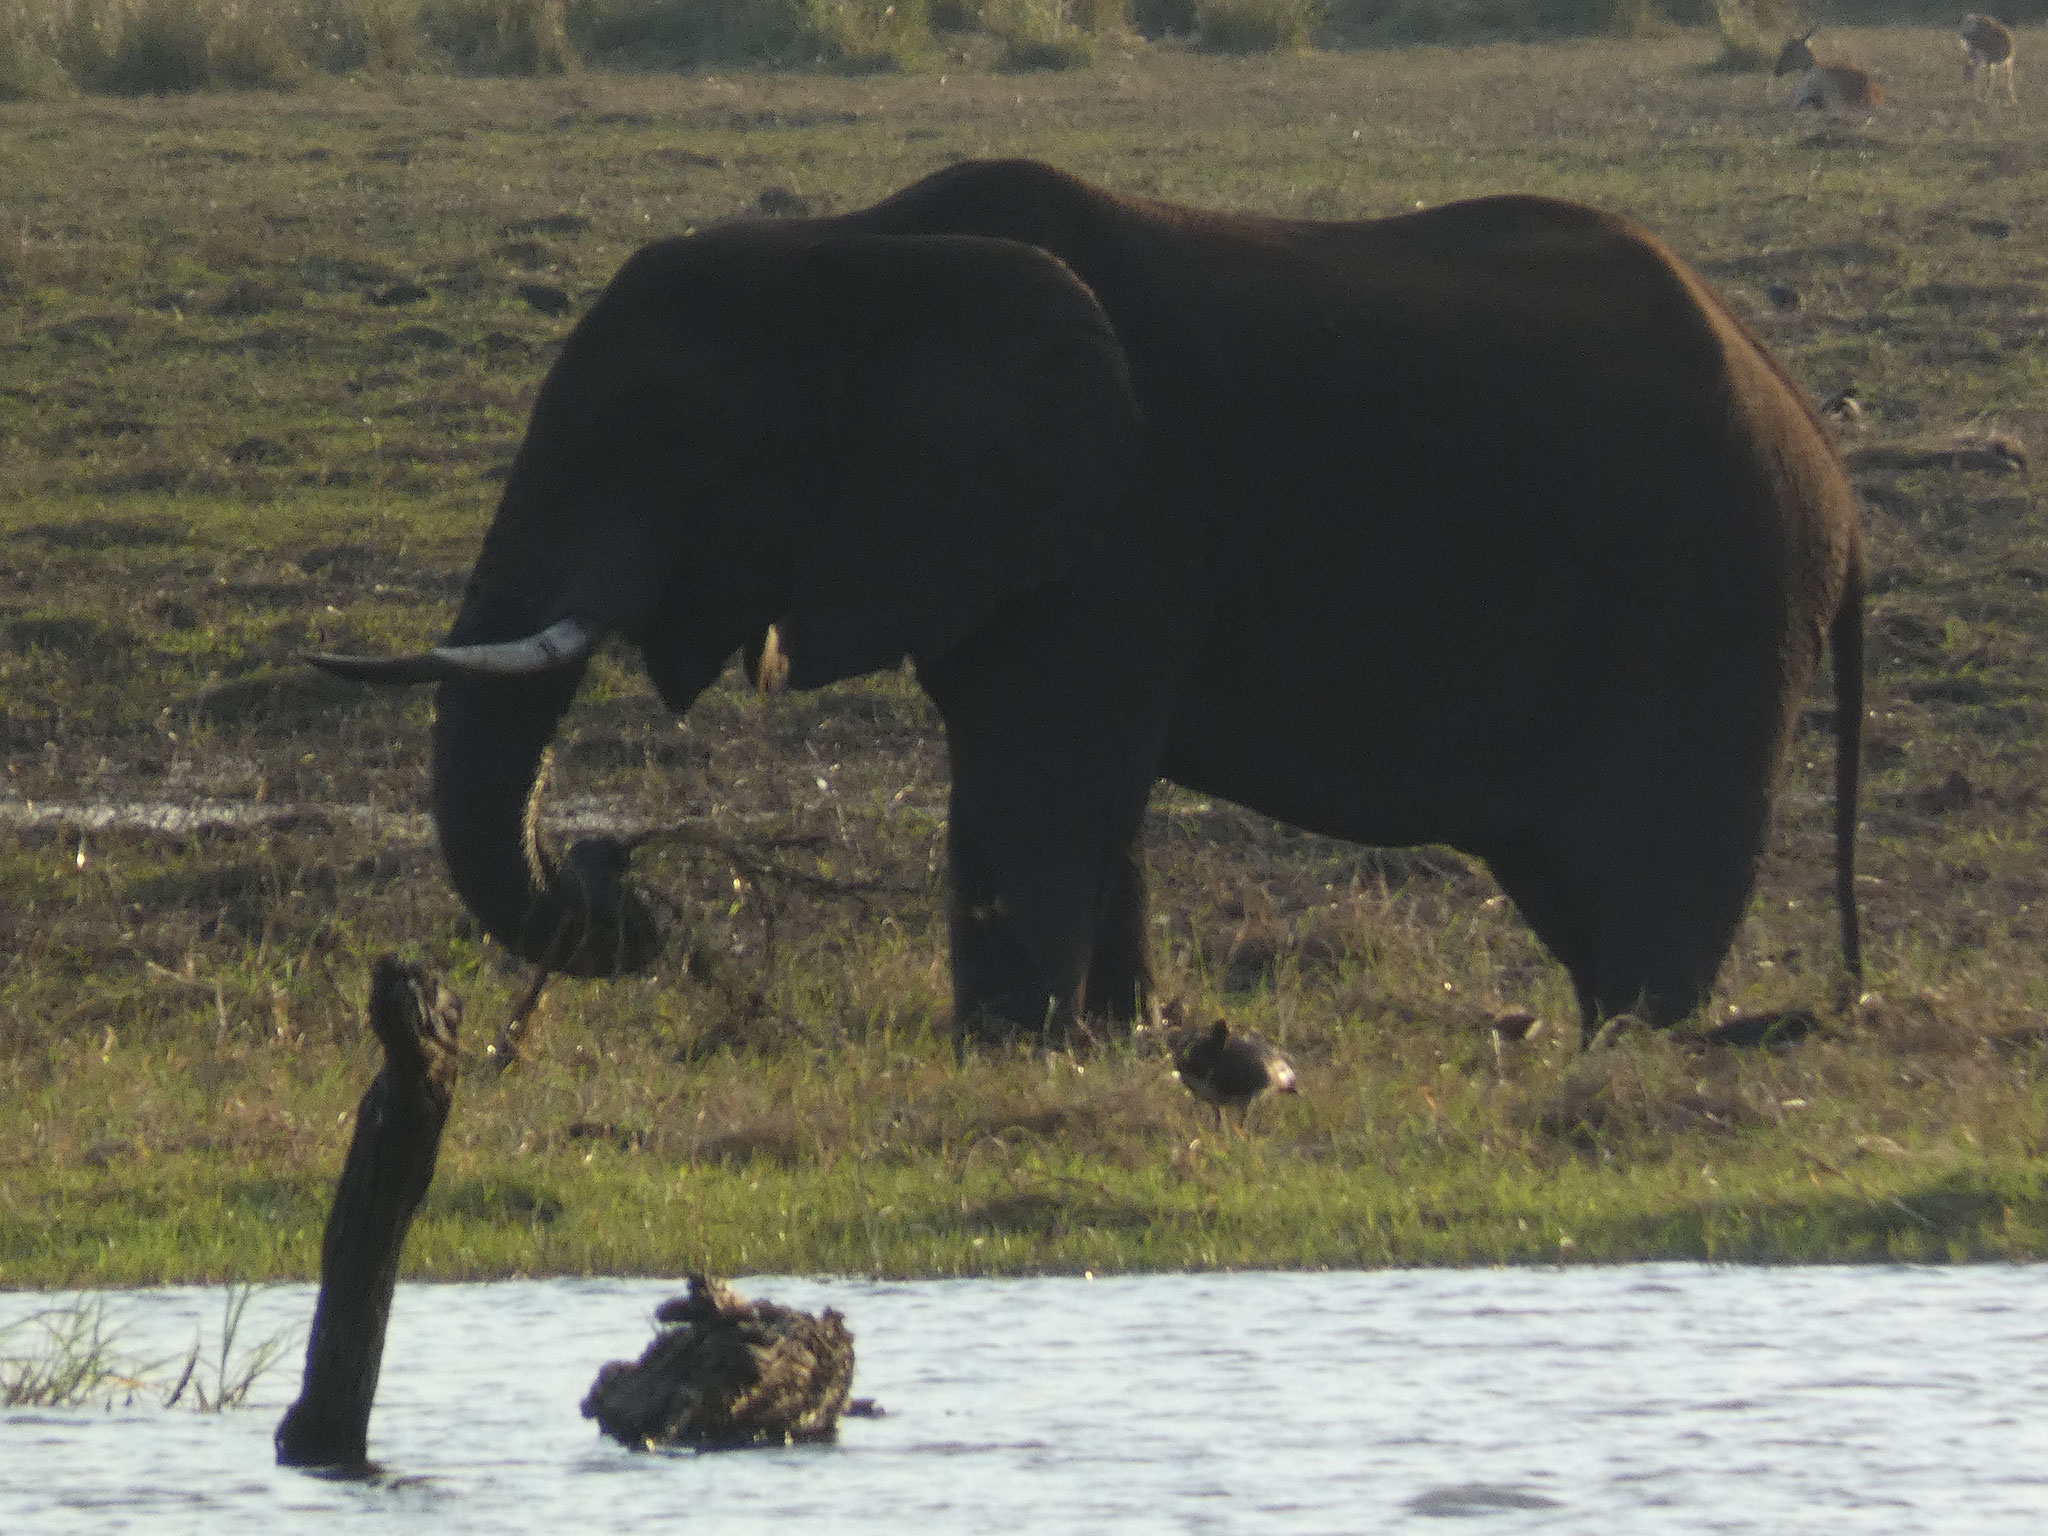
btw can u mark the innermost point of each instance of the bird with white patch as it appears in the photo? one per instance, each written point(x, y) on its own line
point(1230, 1070)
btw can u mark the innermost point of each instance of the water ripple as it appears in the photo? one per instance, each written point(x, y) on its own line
point(1664, 1398)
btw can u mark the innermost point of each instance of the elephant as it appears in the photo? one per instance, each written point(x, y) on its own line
point(1488, 525)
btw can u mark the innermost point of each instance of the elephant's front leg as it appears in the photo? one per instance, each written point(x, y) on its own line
point(1055, 721)
point(1119, 986)
point(1056, 714)
point(1048, 913)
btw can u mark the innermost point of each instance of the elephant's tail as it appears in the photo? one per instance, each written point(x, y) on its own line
point(1845, 643)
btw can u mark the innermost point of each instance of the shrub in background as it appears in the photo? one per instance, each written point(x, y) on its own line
point(1069, 50)
point(1100, 18)
point(1047, 34)
point(1751, 33)
point(1253, 26)
point(150, 47)
point(644, 32)
point(500, 37)
point(53, 47)
point(83, 34)
point(29, 66)
point(843, 34)
point(159, 47)
point(859, 34)
point(1427, 21)
point(1591, 18)
point(162, 47)
point(254, 46)
point(1414, 21)
point(379, 35)
point(1162, 18)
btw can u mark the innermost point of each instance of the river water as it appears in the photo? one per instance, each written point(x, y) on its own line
point(1643, 1399)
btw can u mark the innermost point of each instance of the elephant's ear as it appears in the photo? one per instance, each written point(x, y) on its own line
point(982, 438)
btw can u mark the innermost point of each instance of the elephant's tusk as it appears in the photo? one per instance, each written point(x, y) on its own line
point(559, 645)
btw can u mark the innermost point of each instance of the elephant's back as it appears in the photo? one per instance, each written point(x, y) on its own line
point(1488, 479)
point(1501, 483)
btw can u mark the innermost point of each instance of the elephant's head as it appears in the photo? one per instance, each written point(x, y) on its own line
point(870, 443)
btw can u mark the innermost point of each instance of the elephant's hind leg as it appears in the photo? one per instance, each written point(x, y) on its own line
point(1548, 905)
point(1640, 911)
point(1664, 913)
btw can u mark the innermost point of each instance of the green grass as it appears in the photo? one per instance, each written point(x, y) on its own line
point(263, 360)
point(605, 1155)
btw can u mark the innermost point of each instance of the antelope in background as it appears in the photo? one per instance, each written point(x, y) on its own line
point(1826, 87)
point(1987, 45)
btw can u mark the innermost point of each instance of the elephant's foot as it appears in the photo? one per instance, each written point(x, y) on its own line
point(1026, 977)
point(1746, 1031)
point(1749, 1030)
point(1009, 1022)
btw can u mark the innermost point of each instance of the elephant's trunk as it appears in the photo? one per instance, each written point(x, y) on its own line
point(573, 915)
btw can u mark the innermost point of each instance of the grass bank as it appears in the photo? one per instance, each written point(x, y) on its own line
point(263, 360)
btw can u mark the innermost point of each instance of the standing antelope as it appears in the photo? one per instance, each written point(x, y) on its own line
point(1826, 87)
point(1987, 45)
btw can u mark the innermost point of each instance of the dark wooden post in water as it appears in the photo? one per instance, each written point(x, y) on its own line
point(390, 1163)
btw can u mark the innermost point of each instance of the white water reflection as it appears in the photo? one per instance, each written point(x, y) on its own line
point(1647, 1399)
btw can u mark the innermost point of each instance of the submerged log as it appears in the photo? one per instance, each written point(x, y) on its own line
point(390, 1163)
point(728, 1373)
